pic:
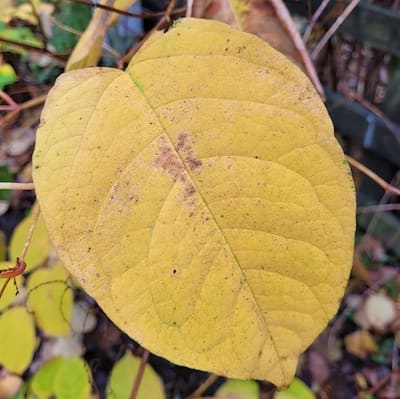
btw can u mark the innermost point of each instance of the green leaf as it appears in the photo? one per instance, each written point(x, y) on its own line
point(42, 383)
point(7, 76)
point(296, 390)
point(237, 389)
point(72, 380)
point(201, 198)
point(21, 35)
point(50, 300)
point(18, 339)
point(122, 378)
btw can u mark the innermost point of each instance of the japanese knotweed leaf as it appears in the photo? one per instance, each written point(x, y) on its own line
point(201, 197)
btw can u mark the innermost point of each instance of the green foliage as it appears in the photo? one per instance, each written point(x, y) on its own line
point(75, 16)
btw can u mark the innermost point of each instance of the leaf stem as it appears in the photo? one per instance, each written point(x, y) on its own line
point(20, 266)
point(139, 374)
point(204, 386)
point(16, 186)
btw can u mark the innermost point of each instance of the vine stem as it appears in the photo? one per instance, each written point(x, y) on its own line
point(20, 266)
point(16, 186)
point(204, 386)
point(139, 374)
point(373, 176)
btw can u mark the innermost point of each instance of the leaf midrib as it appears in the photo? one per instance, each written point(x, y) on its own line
point(139, 88)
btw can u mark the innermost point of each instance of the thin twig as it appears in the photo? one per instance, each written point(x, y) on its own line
point(16, 186)
point(314, 19)
point(204, 386)
point(378, 208)
point(284, 18)
point(340, 19)
point(39, 49)
point(21, 266)
point(139, 374)
point(166, 18)
point(40, 22)
point(373, 176)
point(8, 99)
point(127, 13)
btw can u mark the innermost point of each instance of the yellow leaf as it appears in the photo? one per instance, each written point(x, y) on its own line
point(39, 247)
point(9, 294)
point(296, 390)
point(51, 300)
point(18, 339)
point(123, 376)
point(201, 198)
point(87, 51)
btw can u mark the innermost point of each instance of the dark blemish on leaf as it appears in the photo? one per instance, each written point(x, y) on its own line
point(174, 271)
point(184, 145)
point(97, 275)
point(189, 191)
point(170, 163)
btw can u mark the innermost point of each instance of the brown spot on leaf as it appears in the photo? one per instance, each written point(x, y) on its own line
point(169, 162)
point(184, 145)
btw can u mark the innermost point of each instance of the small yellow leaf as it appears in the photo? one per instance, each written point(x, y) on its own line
point(123, 376)
point(40, 246)
point(237, 389)
point(50, 300)
point(201, 198)
point(87, 51)
point(296, 390)
point(10, 292)
point(17, 338)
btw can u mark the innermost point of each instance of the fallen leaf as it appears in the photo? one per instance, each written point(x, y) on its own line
point(360, 343)
point(87, 51)
point(268, 19)
point(210, 211)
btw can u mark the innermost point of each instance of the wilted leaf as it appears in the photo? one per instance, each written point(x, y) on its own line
point(237, 389)
point(18, 339)
point(123, 376)
point(42, 383)
point(268, 19)
point(72, 380)
point(296, 390)
point(39, 247)
point(201, 198)
point(87, 51)
point(360, 343)
point(51, 300)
